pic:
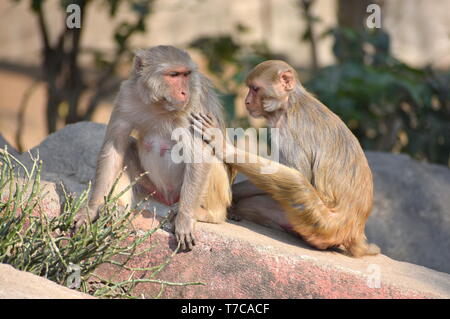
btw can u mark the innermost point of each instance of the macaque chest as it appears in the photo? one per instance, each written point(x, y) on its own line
point(155, 155)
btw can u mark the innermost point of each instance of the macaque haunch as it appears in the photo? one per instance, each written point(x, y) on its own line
point(164, 86)
point(322, 187)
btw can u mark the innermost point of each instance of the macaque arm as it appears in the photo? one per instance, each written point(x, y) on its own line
point(286, 185)
point(111, 158)
point(194, 180)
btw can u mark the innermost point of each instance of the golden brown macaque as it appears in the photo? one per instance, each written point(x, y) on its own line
point(164, 86)
point(322, 187)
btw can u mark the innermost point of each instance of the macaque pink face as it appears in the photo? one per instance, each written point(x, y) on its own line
point(253, 101)
point(177, 81)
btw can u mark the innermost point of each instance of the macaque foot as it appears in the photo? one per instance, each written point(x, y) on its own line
point(234, 217)
point(184, 231)
point(231, 215)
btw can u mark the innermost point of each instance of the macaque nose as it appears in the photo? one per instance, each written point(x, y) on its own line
point(183, 96)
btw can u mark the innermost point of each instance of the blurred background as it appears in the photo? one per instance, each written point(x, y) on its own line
point(390, 85)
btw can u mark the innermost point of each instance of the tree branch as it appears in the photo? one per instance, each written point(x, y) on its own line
point(43, 28)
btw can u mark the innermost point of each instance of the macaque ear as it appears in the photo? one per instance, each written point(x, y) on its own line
point(138, 60)
point(288, 80)
point(138, 63)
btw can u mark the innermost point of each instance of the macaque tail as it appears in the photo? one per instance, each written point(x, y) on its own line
point(362, 248)
point(289, 187)
point(307, 213)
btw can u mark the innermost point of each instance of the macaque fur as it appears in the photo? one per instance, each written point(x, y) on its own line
point(322, 189)
point(164, 86)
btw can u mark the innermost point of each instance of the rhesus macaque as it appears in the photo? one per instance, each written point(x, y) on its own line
point(164, 86)
point(322, 187)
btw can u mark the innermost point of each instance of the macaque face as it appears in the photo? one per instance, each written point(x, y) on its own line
point(177, 82)
point(264, 98)
point(254, 99)
point(270, 84)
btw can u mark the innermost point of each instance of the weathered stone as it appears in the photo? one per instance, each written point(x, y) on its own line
point(410, 220)
point(70, 154)
point(16, 284)
point(49, 200)
point(244, 260)
point(10, 149)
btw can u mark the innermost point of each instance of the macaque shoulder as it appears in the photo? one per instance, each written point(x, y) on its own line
point(127, 96)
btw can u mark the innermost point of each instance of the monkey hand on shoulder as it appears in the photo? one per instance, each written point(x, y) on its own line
point(207, 127)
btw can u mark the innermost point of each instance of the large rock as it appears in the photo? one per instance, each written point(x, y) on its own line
point(411, 216)
point(10, 149)
point(410, 220)
point(49, 199)
point(70, 154)
point(244, 260)
point(16, 284)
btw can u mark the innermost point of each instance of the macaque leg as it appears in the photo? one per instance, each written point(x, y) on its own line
point(245, 189)
point(263, 210)
point(216, 196)
point(252, 203)
point(133, 170)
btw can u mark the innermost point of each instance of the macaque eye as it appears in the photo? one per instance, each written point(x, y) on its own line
point(174, 74)
point(254, 88)
point(186, 74)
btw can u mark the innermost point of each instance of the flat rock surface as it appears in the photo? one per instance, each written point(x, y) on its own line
point(244, 260)
point(16, 284)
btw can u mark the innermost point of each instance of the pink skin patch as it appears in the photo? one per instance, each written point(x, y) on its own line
point(148, 146)
point(163, 149)
point(151, 190)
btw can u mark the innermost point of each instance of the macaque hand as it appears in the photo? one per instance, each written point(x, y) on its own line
point(184, 231)
point(211, 134)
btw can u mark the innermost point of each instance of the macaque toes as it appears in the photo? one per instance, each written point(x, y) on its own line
point(322, 188)
point(164, 86)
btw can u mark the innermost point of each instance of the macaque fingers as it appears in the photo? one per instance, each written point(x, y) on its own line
point(208, 120)
point(186, 241)
point(185, 236)
point(210, 135)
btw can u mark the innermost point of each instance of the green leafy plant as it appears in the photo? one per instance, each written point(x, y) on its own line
point(46, 246)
